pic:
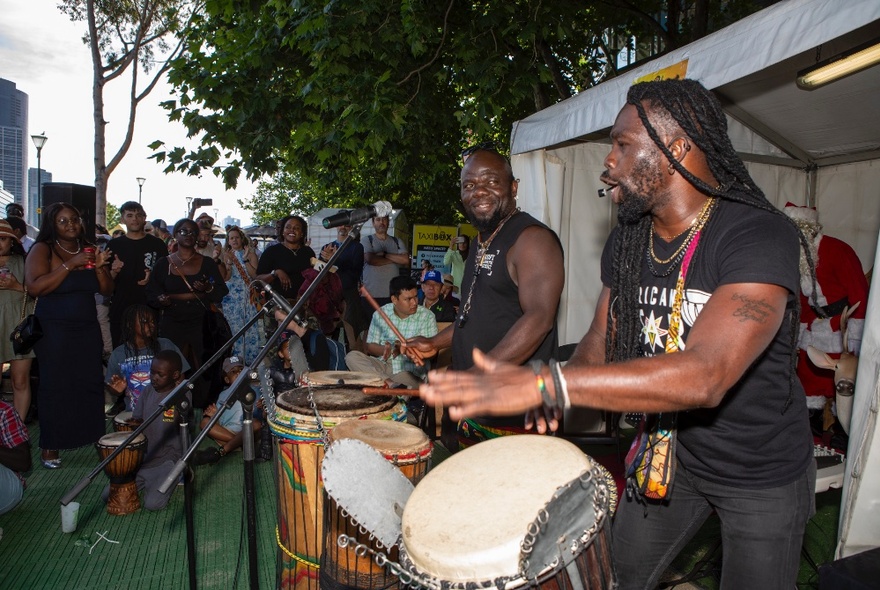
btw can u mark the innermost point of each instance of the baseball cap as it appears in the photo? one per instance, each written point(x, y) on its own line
point(433, 275)
point(231, 363)
point(160, 224)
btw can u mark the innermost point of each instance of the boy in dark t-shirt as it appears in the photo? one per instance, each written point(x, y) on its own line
point(135, 254)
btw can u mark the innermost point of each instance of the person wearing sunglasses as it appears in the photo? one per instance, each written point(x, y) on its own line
point(63, 272)
point(185, 286)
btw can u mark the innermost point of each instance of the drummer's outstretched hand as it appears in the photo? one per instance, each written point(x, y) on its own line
point(492, 387)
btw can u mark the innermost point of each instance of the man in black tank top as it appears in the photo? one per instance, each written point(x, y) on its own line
point(510, 290)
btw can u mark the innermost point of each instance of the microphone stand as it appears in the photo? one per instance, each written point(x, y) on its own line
point(239, 392)
point(184, 413)
point(175, 397)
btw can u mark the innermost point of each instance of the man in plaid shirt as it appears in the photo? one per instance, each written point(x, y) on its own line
point(15, 456)
point(383, 355)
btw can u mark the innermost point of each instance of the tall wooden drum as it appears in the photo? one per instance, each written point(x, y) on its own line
point(406, 447)
point(298, 467)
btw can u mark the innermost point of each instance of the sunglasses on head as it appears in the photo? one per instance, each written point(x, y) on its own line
point(486, 145)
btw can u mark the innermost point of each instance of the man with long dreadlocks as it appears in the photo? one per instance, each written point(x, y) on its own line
point(697, 319)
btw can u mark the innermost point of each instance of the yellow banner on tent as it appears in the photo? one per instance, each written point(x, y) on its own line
point(673, 72)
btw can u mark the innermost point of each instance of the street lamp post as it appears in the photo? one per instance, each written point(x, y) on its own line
point(141, 180)
point(39, 141)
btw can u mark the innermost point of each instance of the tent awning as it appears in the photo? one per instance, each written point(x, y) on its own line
point(753, 64)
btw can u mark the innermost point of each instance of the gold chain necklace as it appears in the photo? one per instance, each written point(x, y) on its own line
point(695, 225)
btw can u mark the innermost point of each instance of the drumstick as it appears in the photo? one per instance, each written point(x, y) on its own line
point(388, 391)
point(366, 295)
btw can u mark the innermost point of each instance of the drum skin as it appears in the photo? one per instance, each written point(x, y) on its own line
point(478, 538)
point(342, 378)
point(406, 447)
point(300, 451)
point(120, 422)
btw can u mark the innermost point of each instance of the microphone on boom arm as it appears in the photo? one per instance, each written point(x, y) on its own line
point(377, 209)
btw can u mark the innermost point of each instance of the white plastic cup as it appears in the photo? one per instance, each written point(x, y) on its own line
point(69, 516)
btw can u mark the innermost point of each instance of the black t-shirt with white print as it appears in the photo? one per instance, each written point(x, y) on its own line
point(747, 441)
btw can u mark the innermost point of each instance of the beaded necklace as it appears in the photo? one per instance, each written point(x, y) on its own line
point(78, 247)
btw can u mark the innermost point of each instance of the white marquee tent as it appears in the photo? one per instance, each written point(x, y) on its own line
point(819, 147)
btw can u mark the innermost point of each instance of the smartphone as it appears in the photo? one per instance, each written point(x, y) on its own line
point(461, 239)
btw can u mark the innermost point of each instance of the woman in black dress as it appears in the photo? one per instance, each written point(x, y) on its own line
point(183, 286)
point(282, 264)
point(64, 271)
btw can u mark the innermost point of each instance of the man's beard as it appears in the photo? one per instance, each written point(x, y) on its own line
point(636, 198)
point(489, 224)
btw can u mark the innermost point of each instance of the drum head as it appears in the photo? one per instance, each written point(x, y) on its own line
point(343, 378)
point(122, 417)
point(342, 401)
point(114, 439)
point(386, 436)
point(466, 519)
point(367, 487)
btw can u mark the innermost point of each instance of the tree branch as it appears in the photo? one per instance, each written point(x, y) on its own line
point(436, 53)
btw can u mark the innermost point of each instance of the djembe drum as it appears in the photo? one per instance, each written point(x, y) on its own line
point(122, 470)
point(406, 447)
point(120, 422)
point(539, 518)
point(301, 438)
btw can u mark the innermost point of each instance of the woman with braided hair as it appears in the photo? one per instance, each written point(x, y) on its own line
point(696, 321)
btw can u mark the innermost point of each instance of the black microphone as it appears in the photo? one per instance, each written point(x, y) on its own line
point(281, 301)
point(377, 209)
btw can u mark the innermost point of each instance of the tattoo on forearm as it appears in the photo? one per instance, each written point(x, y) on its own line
point(756, 310)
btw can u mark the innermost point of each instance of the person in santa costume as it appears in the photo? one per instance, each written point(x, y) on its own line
point(840, 283)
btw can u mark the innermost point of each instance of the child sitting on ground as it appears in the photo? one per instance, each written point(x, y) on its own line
point(227, 431)
point(164, 448)
point(128, 368)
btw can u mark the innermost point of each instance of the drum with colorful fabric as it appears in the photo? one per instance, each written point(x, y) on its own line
point(301, 435)
point(121, 422)
point(122, 470)
point(406, 447)
point(342, 378)
point(540, 518)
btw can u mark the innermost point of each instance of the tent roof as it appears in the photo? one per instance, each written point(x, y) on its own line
point(752, 66)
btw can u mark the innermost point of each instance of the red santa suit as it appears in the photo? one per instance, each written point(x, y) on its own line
point(841, 282)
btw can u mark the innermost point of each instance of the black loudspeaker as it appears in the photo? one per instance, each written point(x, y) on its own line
point(79, 195)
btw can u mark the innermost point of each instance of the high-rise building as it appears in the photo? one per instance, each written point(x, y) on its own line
point(13, 138)
point(229, 220)
point(31, 215)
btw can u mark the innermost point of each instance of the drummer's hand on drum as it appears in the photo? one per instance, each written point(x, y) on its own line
point(491, 387)
point(542, 419)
